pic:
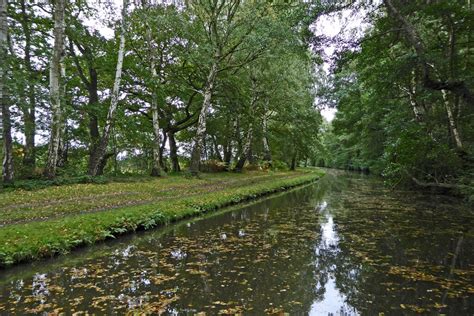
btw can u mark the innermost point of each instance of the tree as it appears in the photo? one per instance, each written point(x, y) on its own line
point(454, 85)
point(402, 96)
point(7, 165)
point(56, 84)
point(227, 25)
point(29, 109)
point(99, 155)
point(87, 44)
point(205, 80)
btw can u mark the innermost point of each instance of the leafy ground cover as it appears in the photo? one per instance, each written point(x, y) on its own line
point(56, 219)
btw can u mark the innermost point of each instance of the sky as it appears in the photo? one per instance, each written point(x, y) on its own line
point(329, 26)
point(344, 25)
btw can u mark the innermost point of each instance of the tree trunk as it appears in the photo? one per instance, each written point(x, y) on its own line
point(204, 148)
point(63, 144)
point(103, 163)
point(63, 149)
point(293, 161)
point(228, 153)
point(247, 148)
point(251, 157)
point(246, 151)
point(104, 141)
point(94, 134)
point(156, 168)
point(173, 153)
point(55, 82)
point(29, 158)
point(228, 148)
point(162, 151)
point(452, 123)
point(238, 137)
point(451, 106)
point(201, 127)
point(418, 110)
point(267, 154)
point(7, 166)
point(62, 153)
point(29, 118)
point(217, 152)
point(436, 184)
point(93, 97)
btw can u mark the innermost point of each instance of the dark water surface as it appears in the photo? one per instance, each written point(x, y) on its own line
point(345, 246)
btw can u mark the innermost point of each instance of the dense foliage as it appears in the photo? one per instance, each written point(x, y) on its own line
point(223, 82)
point(404, 94)
point(216, 85)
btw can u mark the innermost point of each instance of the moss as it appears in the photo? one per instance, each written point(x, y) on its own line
point(34, 239)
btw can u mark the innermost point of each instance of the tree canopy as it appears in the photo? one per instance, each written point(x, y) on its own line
point(202, 84)
point(403, 92)
point(221, 85)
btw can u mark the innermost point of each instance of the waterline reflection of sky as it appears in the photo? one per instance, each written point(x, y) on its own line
point(333, 303)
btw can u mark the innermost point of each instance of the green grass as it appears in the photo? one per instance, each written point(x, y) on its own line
point(56, 219)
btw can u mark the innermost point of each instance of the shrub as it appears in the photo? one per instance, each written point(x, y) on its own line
point(279, 165)
point(213, 166)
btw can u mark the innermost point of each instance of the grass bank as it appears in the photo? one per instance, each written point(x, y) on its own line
point(54, 220)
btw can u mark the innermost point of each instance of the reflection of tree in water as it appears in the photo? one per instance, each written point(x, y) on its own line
point(392, 249)
point(267, 268)
point(265, 263)
point(398, 253)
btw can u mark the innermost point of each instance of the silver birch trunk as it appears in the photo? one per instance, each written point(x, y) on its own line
point(417, 110)
point(55, 82)
point(267, 155)
point(62, 148)
point(7, 164)
point(201, 127)
point(451, 120)
point(104, 141)
point(156, 169)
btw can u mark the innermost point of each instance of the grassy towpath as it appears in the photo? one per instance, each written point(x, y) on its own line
point(53, 220)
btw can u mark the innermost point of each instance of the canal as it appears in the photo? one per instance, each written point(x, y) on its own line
point(346, 245)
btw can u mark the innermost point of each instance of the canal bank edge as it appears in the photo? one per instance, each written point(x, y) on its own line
point(36, 240)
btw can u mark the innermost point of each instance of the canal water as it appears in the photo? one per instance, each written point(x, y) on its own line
point(344, 246)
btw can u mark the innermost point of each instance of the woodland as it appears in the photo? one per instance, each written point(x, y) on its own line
point(213, 85)
point(404, 96)
point(221, 157)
